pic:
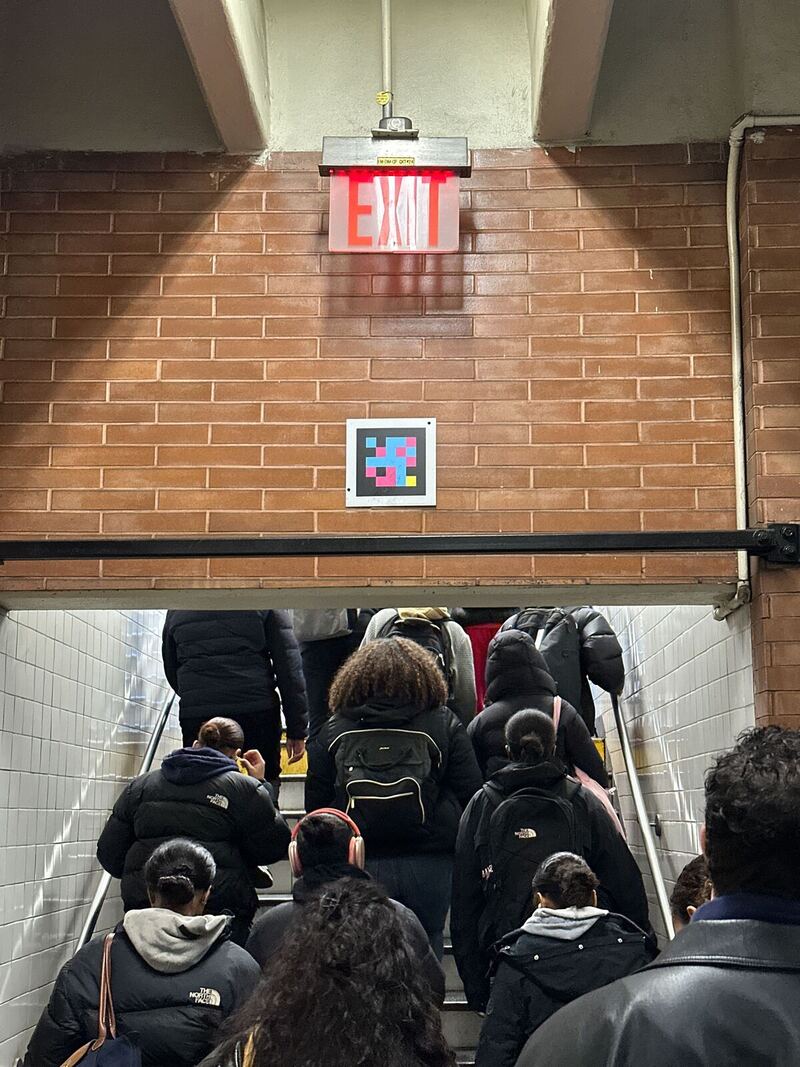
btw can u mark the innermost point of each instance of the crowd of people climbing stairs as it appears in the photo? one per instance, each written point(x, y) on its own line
point(452, 770)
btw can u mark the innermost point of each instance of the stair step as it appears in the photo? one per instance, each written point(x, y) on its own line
point(292, 794)
point(461, 1027)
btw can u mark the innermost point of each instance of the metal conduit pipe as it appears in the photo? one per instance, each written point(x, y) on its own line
point(736, 140)
point(644, 823)
point(386, 55)
point(105, 882)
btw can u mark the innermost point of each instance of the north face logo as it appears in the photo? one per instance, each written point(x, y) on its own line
point(525, 834)
point(218, 800)
point(209, 997)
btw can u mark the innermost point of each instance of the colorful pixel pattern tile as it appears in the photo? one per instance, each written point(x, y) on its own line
point(392, 464)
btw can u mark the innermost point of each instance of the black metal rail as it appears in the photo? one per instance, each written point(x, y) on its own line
point(775, 542)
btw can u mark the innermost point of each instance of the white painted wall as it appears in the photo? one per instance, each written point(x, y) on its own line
point(114, 74)
point(109, 75)
point(688, 694)
point(460, 69)
point(79, 694)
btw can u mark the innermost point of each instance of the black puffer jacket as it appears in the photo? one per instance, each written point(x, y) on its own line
point(722, 993)
point(551, 961)
point(445, 795)
point(235, 662)
point(603, 848)
point(517, 678)
point(170, 1007)
point(199, 793)
point(580, 646)
point(273, 925)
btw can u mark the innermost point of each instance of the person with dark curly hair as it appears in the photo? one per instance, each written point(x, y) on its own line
point(726, 991)
point(568, 947)
point(399, 762)
point(692, 890)
point(344, 990)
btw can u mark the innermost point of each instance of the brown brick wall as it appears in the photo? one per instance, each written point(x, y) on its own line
point(770, 229)
point(180, 351)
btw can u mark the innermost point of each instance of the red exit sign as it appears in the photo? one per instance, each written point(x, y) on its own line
point(393, 211)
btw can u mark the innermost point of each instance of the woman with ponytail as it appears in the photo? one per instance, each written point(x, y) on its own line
point(529, 809)
point(569, 946)
point(175, 974)
point(213, 794)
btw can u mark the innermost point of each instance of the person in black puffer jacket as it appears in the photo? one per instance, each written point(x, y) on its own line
point(579, 646)
point(485, 909)
point(243, 664)
point(400, 763)
point(568, 947)
point(199, 793)
point(175, 975)
point(517, 677)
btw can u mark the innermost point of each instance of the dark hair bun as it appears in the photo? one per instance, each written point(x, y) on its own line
point(566, 879)
point(531, 747)
point(209, 734)
point(175, 889)
point(177, 870)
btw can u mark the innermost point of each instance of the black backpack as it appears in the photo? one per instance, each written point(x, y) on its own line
point(515, 835)
point(556, 635)
point(428, 634)
point(387, 776)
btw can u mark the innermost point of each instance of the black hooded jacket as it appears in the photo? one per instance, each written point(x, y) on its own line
point(173, 1015)
point(535, 975)
point(723, 993)
point(517, 677)
point(235, 663)
point(621, 887)
point(452, 785)
point(198, 793)
point(273, 925)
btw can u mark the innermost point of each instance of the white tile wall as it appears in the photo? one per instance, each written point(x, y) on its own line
point(688, 693)
point(79, 694)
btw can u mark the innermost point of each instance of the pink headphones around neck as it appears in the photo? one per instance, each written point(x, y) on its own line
point(356, 856)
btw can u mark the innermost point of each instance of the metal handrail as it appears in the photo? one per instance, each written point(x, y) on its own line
point(644, 823)
point(105, 882)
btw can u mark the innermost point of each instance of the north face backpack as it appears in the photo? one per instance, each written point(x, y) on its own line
point(556, 635)
point(514, 836)
point(386, 774)
point(428, 634)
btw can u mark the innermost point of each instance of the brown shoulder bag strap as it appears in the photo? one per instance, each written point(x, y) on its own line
point(106, 1022)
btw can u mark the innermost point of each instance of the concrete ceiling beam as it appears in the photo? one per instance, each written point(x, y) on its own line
point(227, 43)
point(568, 38)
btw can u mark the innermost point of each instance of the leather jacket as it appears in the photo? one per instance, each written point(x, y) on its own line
point(724, 992)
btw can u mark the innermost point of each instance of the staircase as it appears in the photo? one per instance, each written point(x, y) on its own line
point(461, 1026)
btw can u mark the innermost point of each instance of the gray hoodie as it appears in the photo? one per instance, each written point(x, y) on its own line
point(563, 924)
point(169, 942)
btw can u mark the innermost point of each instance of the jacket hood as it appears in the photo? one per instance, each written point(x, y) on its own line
point(513, 776)
point(187, 766)
point(433, 614)
point(516, 668)
point(382, 713)
point(563, 924)
point(171, 943)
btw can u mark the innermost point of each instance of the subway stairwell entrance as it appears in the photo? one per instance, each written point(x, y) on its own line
point(688, 692)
